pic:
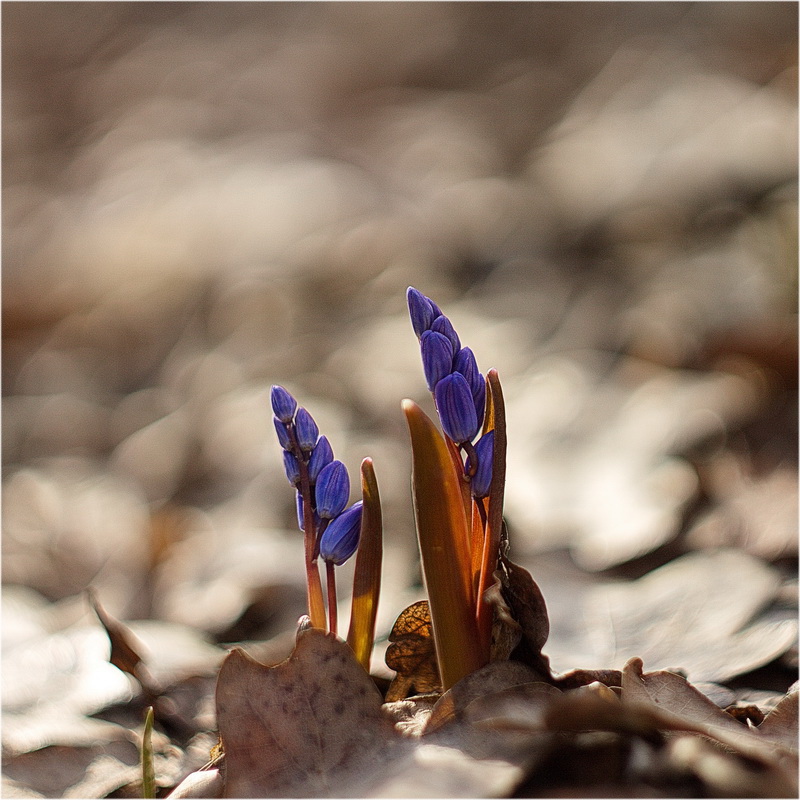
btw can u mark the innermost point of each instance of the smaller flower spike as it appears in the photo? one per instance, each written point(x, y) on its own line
point(420, 310)
point(306, 430)
point(456, 408)
point(321, 456)
point(443, 325)
point(283, 404)
point(484, 452)
point(333, 490)
point(437, 357)
point(340, 539)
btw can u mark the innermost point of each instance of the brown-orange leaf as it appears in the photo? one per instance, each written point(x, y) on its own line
point(412, 654)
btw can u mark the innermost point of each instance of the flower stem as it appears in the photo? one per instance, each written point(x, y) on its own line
point(491, 549)
point(316, 603)
point(330, 579)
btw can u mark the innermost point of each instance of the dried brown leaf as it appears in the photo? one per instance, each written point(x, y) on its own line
point(528, 608)
point(519, 707)
point(486, 681)
point(681, 707)
point(124, 647)
point(313, 727)
point(309, 727)
point(695, 613)
point(780, 725)
point(412, 654)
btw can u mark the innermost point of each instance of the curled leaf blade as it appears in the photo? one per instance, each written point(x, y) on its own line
point(444, 542)
point(367, 574)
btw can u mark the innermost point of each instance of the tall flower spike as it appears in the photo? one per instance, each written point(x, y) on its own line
point(340, 539)
point(456, 408)
point(437, 357)
point(306, 430)
point(283, 404)
point(333, 490)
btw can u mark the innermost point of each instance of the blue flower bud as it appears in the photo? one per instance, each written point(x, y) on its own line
point(456, 408)
point(321, 456)
point(292, 468)
point(332, 490)
point(484, 453)
point(437, 357)
point(283, 404)
point(465, 363)
point(301, 515)
point(420, 310)
point(340, 539)
point(479, 398)
point(306, 430)
point(283, 434)
point(443, 325)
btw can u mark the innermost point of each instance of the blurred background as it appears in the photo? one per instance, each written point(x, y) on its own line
point(203, 199)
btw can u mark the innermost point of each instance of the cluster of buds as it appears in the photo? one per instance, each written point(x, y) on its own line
point(458, 388)
point(322, 482)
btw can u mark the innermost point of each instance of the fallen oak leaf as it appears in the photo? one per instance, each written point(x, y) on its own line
point(691, 613)
point(681, 707)
point(309, 727)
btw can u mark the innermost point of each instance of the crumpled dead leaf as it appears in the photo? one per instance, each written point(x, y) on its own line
point(309, 727)
point(680, 706)
point(528, 608)
point(697, 613)
point(780, 725)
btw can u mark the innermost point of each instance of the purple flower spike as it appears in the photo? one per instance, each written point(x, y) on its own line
point(340, 539)
point(306, 430)
point(333, 490)
point(484, 452)
point(420, 310)
point(443, 325)
point(284, 439)
point(283, 404)
point(456, 408)
point(321, 456)
point(292, 467)
point(437, 357)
